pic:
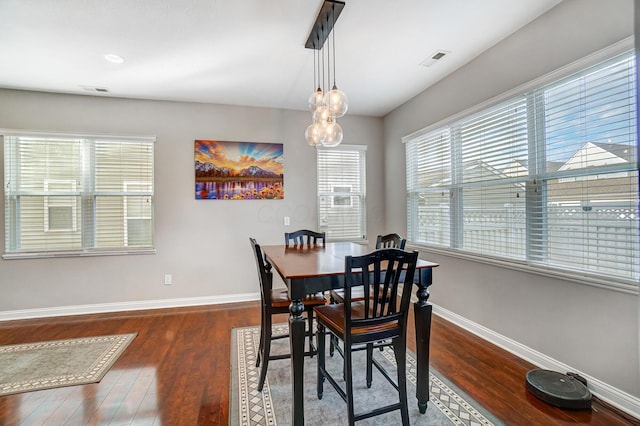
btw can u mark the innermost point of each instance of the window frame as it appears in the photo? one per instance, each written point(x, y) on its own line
point(583, 277)
point(86, 193)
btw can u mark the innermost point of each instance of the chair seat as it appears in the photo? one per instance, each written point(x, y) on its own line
point(333, 317)
point(280, 298)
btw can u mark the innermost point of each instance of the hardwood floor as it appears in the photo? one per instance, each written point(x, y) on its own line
point(176, 372)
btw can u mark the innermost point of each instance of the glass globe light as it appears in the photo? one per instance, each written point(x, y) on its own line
point(333, 134)
point(337, 102)
point(321, 114)
point(313, 134)
point(316, 99)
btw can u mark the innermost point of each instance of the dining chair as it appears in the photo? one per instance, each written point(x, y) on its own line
point(337, 295)
point(273, 302)
point(304, 237)
point(379, 316)
point(390, 241)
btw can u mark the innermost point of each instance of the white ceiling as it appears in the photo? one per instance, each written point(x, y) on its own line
point(246, 52)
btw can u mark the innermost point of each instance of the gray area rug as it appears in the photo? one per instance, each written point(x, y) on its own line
point(447, 404)
point(44, 365)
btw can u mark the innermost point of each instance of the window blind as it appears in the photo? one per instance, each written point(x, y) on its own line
point(342, 192)
point(588, 191)
point(549, 177)
point(429, 186)
point(77, 194)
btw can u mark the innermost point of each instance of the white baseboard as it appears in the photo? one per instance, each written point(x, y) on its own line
point(619, 399)
point(125, 306)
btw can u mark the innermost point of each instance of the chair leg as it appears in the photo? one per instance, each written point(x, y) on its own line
point(348, 372)
point(332, 345)
point(266, 351)
point(321, 359)
point(332, 338)
point(399, 349)
point(262, 331)
point(369, 364)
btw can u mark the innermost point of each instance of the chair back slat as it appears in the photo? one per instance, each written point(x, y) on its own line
point(303, 237)
point(379, 273)
point(390, 241)
point(265, 274)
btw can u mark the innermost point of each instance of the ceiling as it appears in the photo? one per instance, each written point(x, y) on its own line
point(246, 52)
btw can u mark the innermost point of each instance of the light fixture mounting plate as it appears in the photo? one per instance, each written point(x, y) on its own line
point(328, 14)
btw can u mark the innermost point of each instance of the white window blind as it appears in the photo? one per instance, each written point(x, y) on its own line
point(588, 189)
point(549, 178)
point(342, 192)
point(429, 180)
point(67, 194)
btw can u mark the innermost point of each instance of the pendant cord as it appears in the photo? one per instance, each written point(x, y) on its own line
point(333, 36)
point(323, 76)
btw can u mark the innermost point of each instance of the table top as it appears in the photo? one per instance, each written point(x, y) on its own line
point(317, 260)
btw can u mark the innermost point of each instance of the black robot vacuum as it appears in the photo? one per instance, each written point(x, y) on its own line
point(562, 390)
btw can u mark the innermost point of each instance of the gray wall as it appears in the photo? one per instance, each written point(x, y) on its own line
point(202, 243)
point(590, 329)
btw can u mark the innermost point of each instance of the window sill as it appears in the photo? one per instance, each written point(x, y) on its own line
point(47, 255)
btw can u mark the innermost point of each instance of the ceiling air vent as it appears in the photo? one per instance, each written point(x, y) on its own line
point(434, 57)
point(95, 89)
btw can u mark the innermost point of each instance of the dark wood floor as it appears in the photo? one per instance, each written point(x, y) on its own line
point(176, 372)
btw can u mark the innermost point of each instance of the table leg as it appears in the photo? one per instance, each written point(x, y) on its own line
point(296, 339)
point(422, 313)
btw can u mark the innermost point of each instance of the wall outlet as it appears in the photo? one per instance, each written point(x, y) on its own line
point(168, 280)
point(287, 221)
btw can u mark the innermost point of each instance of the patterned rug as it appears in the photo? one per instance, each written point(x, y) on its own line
point(447, 404)
point(44, 365)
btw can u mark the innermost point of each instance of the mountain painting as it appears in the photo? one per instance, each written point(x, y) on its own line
point(239, 170)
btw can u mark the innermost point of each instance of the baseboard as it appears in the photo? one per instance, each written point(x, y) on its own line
point(617, 398)
point(125, 306)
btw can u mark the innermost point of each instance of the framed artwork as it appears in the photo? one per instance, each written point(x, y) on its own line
point(238, 170)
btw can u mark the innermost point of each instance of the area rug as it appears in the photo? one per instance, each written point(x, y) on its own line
point(447, 404)
point(44, 365)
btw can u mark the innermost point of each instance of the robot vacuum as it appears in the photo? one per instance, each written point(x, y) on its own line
point(562, 390)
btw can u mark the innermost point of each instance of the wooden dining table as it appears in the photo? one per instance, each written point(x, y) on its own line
point(316, 268)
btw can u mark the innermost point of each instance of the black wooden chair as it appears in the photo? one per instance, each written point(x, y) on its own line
point(304, 237)
point(390, 241)
point(379, 316)
point(276, 301)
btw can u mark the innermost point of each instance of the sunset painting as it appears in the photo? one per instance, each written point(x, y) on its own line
point(238, 170)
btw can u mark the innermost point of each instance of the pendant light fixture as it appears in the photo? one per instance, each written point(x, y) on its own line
point(326, 105)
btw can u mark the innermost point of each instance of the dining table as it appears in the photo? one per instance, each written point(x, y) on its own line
point(308, 269)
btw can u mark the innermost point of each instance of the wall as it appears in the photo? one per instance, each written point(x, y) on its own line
point(202, 243)
point(589, 329)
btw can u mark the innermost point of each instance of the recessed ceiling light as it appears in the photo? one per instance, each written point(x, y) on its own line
point(113, 58)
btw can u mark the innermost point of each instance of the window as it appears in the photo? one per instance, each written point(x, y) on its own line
point(60, 212)
point(342, 192)
point(339, 201)
point(548, 178)
point(77, 194)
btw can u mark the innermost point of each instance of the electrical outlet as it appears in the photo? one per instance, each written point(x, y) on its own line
point(287, 221)
point(168, 280)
